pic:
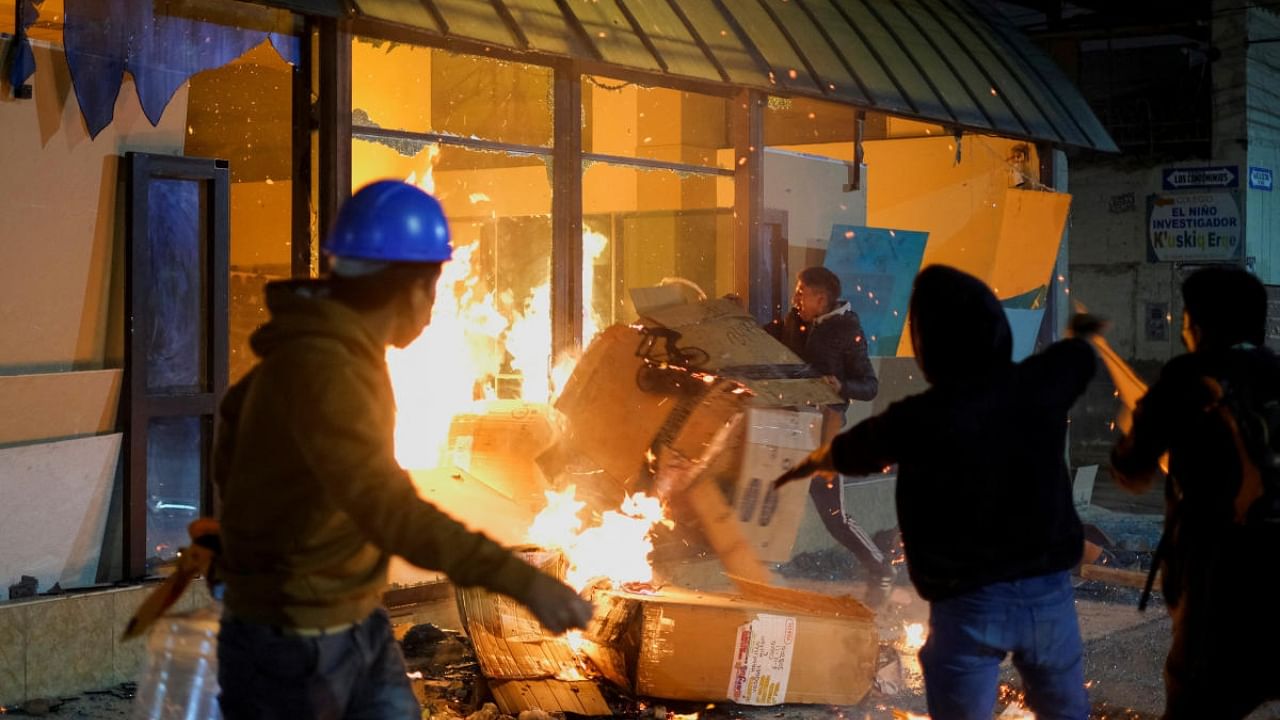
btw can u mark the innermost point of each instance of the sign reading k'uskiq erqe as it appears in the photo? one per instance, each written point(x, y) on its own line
point(1191, 227)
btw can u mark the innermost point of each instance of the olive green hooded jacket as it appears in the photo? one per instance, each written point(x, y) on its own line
point(313, 503)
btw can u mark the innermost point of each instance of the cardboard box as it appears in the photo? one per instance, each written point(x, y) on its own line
point(498, 446)
point(771, 646)
point(527, 668)
point(774, 440)
point(621, 418)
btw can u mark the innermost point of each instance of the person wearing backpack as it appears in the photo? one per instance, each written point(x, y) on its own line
point(1214, 411)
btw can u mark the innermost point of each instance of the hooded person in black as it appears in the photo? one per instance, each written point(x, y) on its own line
point(1220, 565)
point(984, 500)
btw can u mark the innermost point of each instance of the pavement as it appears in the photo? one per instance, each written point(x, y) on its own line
point(1124, 649)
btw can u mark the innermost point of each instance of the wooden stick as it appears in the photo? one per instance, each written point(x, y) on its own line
point(1115, 576)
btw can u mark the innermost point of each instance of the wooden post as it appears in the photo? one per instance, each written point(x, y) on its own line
point(566, 213)
point(335, 119)
point(747, 129)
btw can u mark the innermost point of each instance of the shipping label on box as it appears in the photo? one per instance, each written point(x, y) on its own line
point(762, 660)
point(762, 648)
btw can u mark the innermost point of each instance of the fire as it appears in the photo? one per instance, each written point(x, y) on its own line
point(617, 547)
point(453, 363)
point(914, 637)
point(593, 246)
point(474, 332)
point(461, 354)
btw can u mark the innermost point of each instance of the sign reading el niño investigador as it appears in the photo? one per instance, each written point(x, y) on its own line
point(1203, 226)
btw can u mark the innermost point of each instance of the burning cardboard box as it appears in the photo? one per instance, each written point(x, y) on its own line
point(766, 646)
point(762, 646)
point(672, 384)
point(527, 668)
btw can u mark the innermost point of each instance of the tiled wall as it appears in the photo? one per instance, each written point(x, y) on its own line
point(70, 644)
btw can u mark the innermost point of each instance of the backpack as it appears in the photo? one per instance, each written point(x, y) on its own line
point(1254, 425)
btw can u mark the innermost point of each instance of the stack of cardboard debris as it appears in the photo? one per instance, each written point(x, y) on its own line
point(630, 400)
point(705, 383)
point(762, 646)
point(527, 668)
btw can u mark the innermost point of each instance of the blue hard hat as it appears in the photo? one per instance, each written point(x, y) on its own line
point(392, 221)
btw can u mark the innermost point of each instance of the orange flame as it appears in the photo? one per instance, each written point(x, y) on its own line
point(617, 547)
point(461, 354)
point(593, 246)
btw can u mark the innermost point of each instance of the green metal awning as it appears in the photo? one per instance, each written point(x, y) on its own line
point(954, 62)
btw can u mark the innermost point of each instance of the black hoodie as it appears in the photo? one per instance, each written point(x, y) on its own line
point(983, 492)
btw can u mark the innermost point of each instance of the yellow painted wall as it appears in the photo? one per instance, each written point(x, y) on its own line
point(917, 185)
point(977, 218)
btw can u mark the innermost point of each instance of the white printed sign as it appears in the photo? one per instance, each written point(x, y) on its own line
point(1202, 226)
point(762, 660)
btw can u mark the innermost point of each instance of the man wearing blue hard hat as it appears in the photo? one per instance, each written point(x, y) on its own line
point(313, 503)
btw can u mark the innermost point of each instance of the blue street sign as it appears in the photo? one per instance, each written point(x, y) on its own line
point(1222, 176)
point(1260, 178)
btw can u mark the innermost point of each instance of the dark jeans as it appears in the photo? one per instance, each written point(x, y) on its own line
point(1224, 583)
point(355, 674)
point(969, 636)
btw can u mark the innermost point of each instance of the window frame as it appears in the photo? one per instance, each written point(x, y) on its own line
point(142, 404)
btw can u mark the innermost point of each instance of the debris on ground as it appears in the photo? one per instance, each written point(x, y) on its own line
point(26, 587)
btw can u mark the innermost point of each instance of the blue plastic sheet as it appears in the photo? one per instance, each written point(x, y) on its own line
point(1026, 330)
point(24, 62)
point(104, 38)
point(876, 267)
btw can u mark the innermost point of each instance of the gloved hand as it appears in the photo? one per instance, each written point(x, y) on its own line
point(818, 461)
point(1084, 325)
point(556, 605)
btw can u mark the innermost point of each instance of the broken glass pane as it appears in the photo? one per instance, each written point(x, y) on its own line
point(628, 120)
point(397, 86)
point(643, 228)
point(493, 312)
point(242, 112)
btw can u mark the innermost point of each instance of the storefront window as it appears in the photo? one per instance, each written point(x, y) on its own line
point(623, 119)
point(808, 178)
point(922, 196)
point(490, 332)
point(643, 228)
point(241, 113)
point(427, 90)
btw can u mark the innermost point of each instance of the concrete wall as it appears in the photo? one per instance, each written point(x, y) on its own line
point(1109, 270)
point(1110, 273)
point(1246, 118)
point(1263, 102)
point(65, 645)
point(810, 190)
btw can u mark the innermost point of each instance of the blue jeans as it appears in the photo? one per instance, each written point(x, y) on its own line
point(355, 674)
point(970, 635)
